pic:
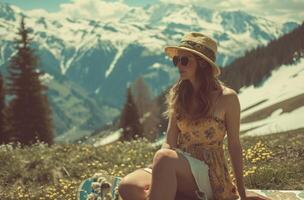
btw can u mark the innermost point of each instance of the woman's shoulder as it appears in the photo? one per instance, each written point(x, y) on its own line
point(230, 100)
point(229, 96)
point(228, 92)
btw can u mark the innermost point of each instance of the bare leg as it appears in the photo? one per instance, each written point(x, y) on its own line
point(164, 183)
point(171, 173)
point(135, 186)
point(139, 185)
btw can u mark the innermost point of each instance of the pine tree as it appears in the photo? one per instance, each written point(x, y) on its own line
point(3, 135)
point(148, 110)
point(257, 64)
point(142, 96)
point(129, 121)
point(29, 113)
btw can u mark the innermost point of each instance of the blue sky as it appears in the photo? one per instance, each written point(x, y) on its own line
point(277, 10)
point(53, 5)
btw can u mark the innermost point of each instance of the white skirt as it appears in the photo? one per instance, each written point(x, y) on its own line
point(199, 170)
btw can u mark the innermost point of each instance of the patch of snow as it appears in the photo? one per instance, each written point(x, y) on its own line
point(276, 123)
point(284, 83)
point(109, 139)
point(46, 78)
point(112, 65)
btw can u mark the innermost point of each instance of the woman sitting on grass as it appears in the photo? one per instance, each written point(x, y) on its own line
point(201, 112)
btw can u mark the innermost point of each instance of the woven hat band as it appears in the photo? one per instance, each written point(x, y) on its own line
point(200, 48)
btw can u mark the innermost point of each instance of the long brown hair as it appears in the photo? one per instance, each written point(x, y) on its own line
point(181, 95)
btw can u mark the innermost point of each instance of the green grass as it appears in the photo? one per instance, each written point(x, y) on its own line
point(42, 172)
point(285, 168)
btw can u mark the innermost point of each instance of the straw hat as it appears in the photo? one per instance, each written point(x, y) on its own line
point(201, 45)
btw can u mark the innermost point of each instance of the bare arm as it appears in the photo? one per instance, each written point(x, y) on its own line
point(232, 119)
point(172, 134)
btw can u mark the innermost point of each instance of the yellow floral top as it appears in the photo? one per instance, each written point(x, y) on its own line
point(203, 139)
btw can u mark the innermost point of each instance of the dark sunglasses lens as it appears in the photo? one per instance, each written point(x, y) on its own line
point(184, 60)
point(175, 60)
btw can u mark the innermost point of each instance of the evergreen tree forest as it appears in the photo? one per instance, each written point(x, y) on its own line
point(147, 109)
point(129, 119)
point(256, 65)
point(28, 114)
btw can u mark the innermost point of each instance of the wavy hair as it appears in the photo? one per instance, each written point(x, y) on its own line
point(181, 95)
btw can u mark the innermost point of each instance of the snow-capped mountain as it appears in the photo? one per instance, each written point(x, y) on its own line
point(91, 62)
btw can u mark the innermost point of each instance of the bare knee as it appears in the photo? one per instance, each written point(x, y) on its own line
point(130, 190)
point(164, 157)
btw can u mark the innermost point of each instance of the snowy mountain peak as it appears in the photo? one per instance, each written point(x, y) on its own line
point(100, 56)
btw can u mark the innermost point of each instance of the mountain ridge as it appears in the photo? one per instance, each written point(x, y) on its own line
point(102, 58)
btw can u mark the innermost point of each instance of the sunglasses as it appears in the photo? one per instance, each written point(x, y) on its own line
point(184, 60)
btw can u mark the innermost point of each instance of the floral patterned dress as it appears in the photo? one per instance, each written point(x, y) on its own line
point(203, 139)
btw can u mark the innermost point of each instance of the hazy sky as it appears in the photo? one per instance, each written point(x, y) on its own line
point(54, 5)
point(283, 10)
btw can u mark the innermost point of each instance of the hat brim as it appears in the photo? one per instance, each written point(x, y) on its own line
point(172, 51)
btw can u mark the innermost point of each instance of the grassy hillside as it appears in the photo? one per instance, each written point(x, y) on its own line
point(41, 172)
